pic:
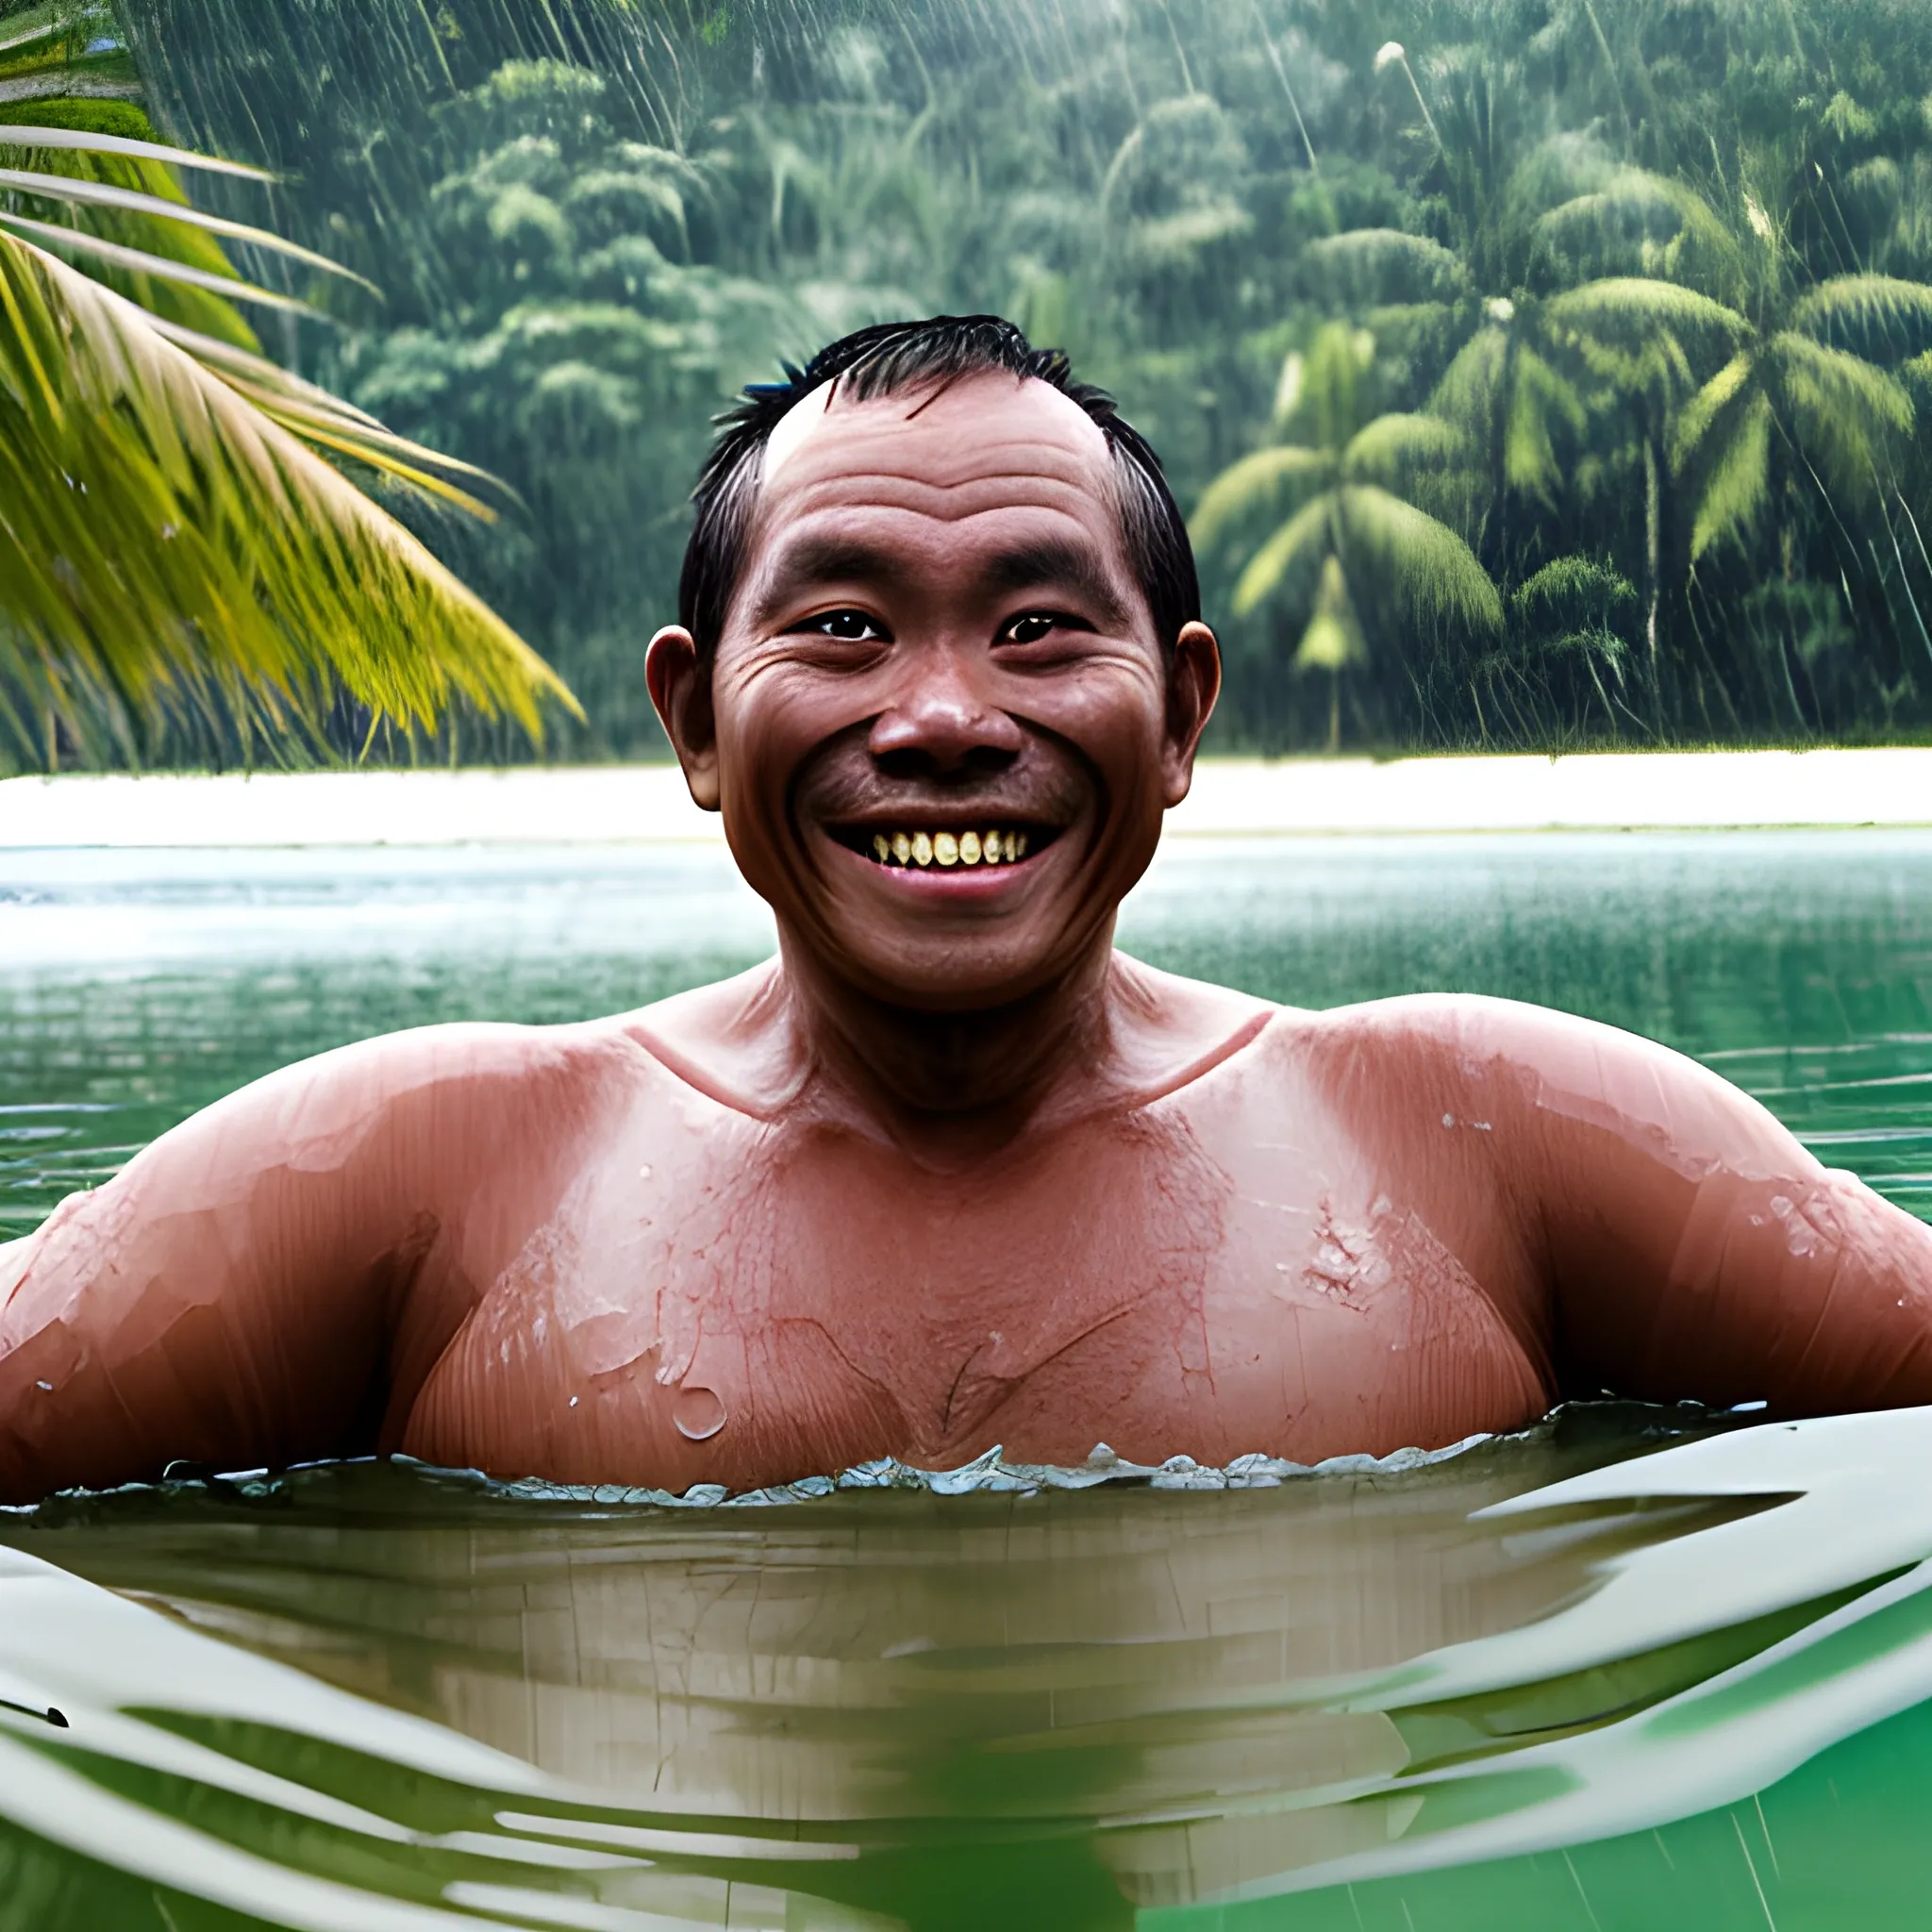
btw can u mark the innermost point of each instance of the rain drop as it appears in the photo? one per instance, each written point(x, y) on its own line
point(699, 1413)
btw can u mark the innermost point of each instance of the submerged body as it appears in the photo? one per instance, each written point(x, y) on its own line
point(615, 1252)
point(949, 1172)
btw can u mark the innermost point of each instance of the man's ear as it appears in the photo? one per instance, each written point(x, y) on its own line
point(683, 698)
point(1193, 682)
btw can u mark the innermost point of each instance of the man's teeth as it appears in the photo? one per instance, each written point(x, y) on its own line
point(948, 848)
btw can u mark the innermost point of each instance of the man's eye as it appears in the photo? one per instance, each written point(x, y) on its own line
point(1031, 627)
point(848, 626)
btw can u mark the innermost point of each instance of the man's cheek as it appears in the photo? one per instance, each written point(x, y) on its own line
point(1116, 711)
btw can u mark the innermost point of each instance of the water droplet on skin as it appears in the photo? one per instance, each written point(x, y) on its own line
point(698, 1413)
point(572, 1402)
point(1448, 1120)
point(644, 1172)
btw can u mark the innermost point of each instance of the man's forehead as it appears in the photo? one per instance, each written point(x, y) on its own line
point(1017, 478)
point(943, 435)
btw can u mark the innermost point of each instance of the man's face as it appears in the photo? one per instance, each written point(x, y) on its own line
point(941, 727)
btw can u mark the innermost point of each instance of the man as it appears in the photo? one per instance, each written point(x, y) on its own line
point(949, 1171)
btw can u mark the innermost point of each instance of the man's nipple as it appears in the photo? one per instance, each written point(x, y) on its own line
point(698, 1412)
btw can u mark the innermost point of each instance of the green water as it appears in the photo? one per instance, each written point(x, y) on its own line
point(370, 1696)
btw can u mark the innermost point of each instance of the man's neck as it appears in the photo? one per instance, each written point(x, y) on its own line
point(947, 1087)
point(956, 1084)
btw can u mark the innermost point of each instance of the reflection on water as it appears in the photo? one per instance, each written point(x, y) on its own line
point(1677, 1682)
point(363, 1695)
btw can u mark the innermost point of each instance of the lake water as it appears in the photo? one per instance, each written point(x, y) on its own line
point(1638, 1668)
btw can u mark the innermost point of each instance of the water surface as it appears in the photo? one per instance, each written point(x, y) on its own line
point(368, 1695)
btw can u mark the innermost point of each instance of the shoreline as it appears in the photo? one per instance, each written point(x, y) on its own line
point(1312, 798)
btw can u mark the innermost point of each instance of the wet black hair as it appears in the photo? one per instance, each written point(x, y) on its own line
point(889, 358)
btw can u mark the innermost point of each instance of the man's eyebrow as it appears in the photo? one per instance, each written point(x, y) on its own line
point(820, 561)
point(1051, 562)
point(1046, 564)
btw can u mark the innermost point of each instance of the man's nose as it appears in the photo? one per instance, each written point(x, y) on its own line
point(942, 723)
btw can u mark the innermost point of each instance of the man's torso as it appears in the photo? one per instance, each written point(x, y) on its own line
point(1233, 1266)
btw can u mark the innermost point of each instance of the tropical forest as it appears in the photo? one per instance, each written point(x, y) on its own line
point(1535, 375)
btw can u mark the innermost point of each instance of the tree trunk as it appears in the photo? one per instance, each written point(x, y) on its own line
point(1653, 569)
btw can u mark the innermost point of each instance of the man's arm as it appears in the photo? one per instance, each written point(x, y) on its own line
point(275, 1279)
point(1690, 1246)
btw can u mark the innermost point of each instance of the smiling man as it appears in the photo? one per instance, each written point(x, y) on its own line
point(949, 1171)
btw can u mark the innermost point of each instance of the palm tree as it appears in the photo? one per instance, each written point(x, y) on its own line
point(1354, 556)
point(174, 534)
point(1766, 386)
point(1789, 396)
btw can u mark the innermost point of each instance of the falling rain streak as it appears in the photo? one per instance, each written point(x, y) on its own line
point(1542, 373)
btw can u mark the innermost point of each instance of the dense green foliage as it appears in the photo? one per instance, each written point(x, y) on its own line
point(1540, 371)
point(183, 570)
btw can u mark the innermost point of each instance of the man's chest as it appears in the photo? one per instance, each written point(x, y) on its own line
point(789, 1303)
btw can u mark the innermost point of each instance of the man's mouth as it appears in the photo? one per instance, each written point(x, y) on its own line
point(944, 847)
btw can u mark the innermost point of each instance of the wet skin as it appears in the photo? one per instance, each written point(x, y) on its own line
point(950, 1171)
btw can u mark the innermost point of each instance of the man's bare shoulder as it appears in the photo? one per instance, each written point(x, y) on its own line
point(355, 1084)
point(1510, 1058)
point(428, 1097)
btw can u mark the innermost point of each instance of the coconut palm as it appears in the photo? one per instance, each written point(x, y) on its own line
point(1769, 387)
point(176, 532)
point(1353, 558)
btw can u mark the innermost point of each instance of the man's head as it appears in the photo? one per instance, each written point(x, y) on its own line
point(939, 660)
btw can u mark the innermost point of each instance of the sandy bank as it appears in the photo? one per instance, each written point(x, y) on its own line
point(1232, 796)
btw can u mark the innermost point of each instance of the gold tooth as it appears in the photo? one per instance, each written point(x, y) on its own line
point(990, 847)
point(881, 847)
point(969, 848)
point(902, 848)
point(945, 848)
point(1018, 847)
point(922, 849)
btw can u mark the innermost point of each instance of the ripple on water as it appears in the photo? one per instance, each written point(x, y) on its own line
point(356, 1694)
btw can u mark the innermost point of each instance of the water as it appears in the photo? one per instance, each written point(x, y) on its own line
point(1689, 1690)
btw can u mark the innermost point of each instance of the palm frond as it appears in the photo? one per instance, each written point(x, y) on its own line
point(1867, 312)
point(1695, 419)
point(160, 532)
point(1539, 399)
point(1847, 416)
point(326, 420)
point(1393, 447)
point(79, 192)
point(85, 141)
point(1468, 389)
point(1629, 311)
point(1293, 547)
point(1633, 204)
point(130, 163)
point(1255, 483)
point(1739, 482)
point(139, 261)
point(1423, 563)
point(1383, 265)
